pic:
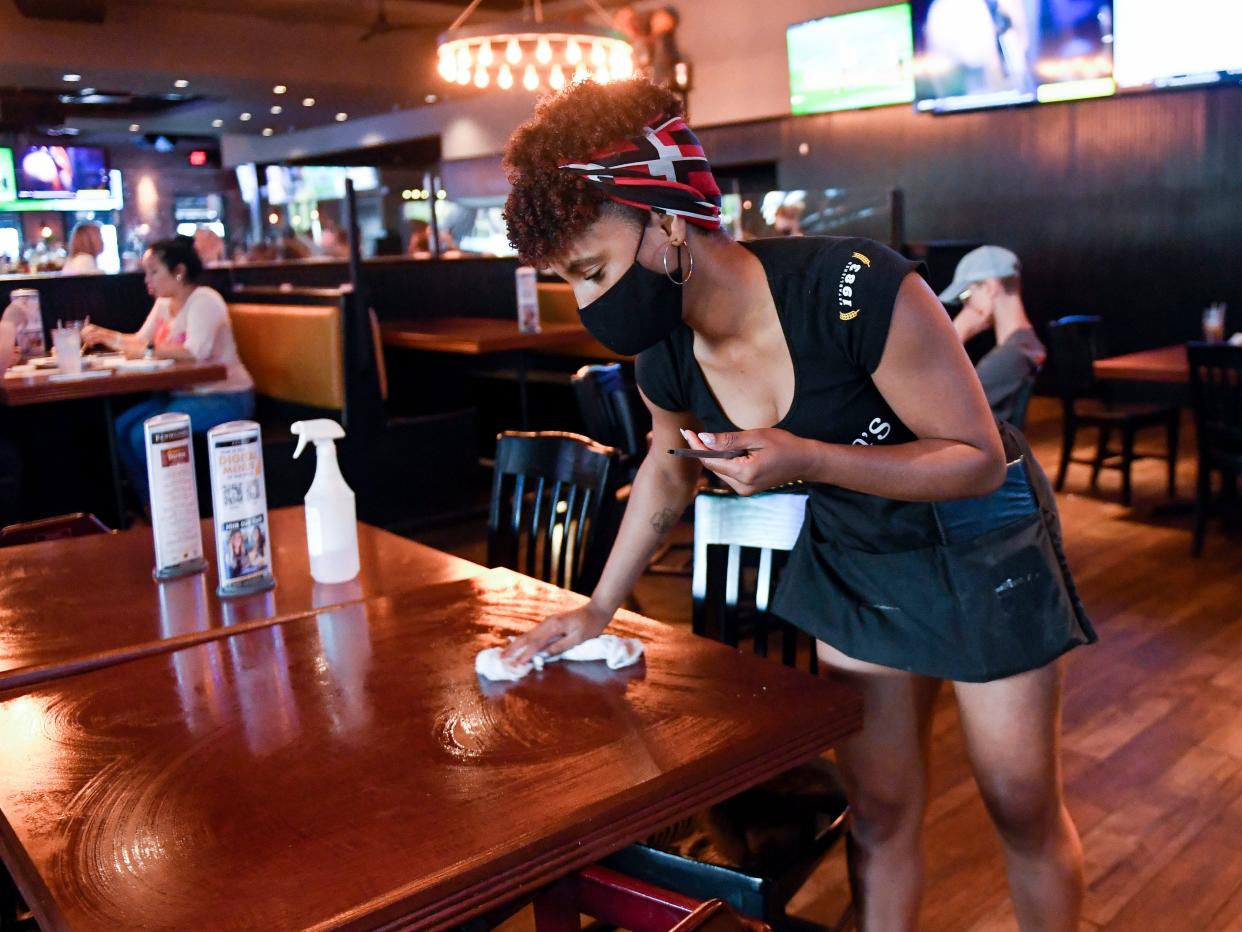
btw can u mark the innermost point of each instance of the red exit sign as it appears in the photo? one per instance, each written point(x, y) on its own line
point(198, 158)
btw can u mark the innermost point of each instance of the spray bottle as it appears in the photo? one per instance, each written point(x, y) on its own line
point(331, 516)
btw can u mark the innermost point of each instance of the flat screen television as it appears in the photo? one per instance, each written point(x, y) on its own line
point(1177, 45)
point(851, 61)
point(971, 54)
point(61, 172)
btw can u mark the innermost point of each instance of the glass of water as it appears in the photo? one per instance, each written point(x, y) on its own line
point(67, 339)
point(1214, 322)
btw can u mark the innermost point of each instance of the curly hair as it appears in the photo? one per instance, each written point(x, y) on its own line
point(547, 207)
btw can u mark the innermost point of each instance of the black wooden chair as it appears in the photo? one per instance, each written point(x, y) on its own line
point(609, 412)
point(553, 512)
point(755, 850)
point(77, 524)
point(1216, 391)
point(1074, 347)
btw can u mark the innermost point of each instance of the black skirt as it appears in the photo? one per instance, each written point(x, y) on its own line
point(982, 592)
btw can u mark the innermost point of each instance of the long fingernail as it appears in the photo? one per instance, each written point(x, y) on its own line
point(684, 433)
point(708, 439)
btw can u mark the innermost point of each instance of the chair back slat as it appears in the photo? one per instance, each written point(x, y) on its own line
point(554, 487)
point(1074, 346)
point(740, 547)
point(1216, 392)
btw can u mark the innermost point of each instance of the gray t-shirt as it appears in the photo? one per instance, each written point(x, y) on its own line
point(1006, 370)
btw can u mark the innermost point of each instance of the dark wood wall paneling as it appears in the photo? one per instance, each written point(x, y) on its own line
point(397, 289)
point(1129, 207)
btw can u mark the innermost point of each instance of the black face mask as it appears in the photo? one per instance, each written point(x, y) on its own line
point(637, 312)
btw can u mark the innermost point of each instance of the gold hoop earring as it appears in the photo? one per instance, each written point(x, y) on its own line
point(689, 273)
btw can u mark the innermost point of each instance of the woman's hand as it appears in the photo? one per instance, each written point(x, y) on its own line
point(773, 457)
point(558, 633)
point(93, 334)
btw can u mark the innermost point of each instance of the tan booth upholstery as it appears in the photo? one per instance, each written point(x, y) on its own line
point(557, 304)
point(294, 352)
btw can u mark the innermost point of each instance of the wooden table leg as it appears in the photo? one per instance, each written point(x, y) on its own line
point(523, 397)
point(114, 461)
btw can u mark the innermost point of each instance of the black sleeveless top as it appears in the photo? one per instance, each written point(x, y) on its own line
point(874, 576)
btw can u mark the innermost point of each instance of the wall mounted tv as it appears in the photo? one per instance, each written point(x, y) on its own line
point(994, 53)
point(111, 198)
point(53, 172)
point(1177, 45)
point(851, 61)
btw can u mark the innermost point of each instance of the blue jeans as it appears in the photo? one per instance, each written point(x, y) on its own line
point(205, 411)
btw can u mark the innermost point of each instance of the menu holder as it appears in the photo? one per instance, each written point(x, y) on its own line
point(239, 506)
point(174, 496)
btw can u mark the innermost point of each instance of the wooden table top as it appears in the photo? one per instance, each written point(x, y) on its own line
point(1164, 364)
point(476, 335)
point(349, 770)
point(68, 605)
point(39, 387)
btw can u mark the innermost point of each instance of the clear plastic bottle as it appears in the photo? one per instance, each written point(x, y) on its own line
point(331, 514)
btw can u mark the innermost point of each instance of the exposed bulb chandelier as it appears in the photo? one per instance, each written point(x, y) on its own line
point(531, 53)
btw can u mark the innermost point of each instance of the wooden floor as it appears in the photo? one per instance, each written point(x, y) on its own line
point(1153, 723)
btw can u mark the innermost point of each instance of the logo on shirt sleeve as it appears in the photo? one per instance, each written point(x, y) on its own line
point(845, 288)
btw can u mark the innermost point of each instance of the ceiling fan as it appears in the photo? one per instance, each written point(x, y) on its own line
point(381, 25)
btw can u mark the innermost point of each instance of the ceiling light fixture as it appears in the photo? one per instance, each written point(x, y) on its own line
point(245, 117)
point(342, 117)
point(308, 101)
point(267, 131)
point(216, 124)
point(276, 109)
point(279, 89)
point(134, 127)
point(71, 78)
point(181, 82)
point(544, 53)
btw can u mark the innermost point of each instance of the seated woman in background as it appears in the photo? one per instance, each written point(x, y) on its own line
point(188, 322)
point(85, 244)
point(420, 242)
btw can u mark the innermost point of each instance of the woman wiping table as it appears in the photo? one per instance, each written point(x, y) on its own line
point(923, 556)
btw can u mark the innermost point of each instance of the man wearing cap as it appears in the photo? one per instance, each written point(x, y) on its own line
point(987, 286)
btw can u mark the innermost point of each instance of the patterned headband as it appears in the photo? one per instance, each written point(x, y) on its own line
point(664, 170)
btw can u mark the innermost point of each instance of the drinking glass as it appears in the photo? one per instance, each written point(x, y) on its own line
point(1214, 322)
point(68, 343)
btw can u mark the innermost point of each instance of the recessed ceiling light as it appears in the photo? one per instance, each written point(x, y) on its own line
point(279, 89)
point(308, 101)
point(267, 131)
point(430, 99)
point(217, 123)
point(86, 92)
point(134, 127)
point(181, 82)
point(276, 108)
point(245, 117)
point(342, 117)
point(71, 78)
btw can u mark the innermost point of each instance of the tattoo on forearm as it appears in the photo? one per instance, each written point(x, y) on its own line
point(664, 521)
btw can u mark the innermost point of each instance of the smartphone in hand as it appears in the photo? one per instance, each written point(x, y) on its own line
point(709, 454)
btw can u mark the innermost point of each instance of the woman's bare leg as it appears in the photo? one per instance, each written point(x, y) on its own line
point(1013, 730)
point(884, 769)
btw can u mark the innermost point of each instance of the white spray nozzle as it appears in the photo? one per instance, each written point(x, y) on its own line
point(320, 430)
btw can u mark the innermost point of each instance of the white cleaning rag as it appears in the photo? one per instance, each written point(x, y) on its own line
point(614, 651)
